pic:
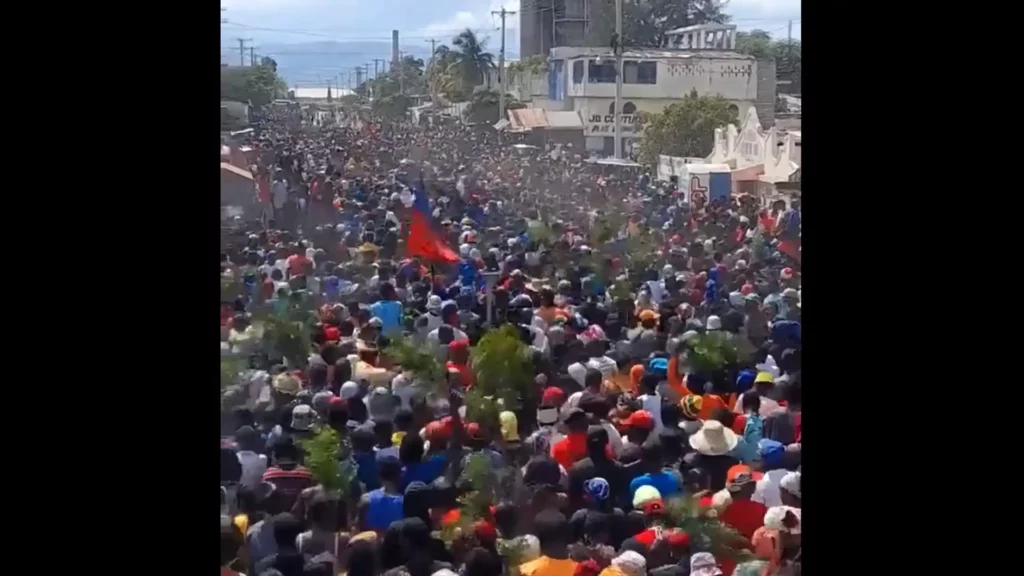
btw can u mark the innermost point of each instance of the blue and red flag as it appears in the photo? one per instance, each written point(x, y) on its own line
point(423, 239)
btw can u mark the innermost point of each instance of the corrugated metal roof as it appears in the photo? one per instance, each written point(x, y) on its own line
point(236, 170)
point(530, 118)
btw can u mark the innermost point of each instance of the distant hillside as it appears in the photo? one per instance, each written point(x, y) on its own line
point(314, 63)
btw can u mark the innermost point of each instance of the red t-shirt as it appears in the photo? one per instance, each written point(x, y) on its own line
point(573, 448)
point(746, 516)
point(465, 374)
point(296, 264)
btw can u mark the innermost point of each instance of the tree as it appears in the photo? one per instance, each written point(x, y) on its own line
point(405, 78)
point(258, 85)
point(329, 97)
point(483, 106)
point(473, 59)
point(756, 43)
point(644, 23)
point(443, 79)
point(392, 106)
point(759, 44)
point(269, 62)
point(525, 69)
point(684, 128)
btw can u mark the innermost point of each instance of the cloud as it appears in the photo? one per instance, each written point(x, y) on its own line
point(479, 17)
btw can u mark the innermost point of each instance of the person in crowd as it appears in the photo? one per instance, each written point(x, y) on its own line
point(650, 362)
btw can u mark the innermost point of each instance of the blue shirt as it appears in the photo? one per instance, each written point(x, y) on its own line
point(425, 472)
point(390, 314)
point(666, 483)
point(366, 469)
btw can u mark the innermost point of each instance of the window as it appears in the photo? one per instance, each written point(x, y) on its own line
point(577, 72)
point(627, 108)
point(603, 73)
point(634, 72)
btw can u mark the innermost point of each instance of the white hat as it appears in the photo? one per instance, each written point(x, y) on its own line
point(434, 302)
point(783, 519)
point(713, 439)
point(464, 250)
point(704, 564)
point(714, 323)
point(303, 417)
point(736, 298)
point(791, 483)
point(349, 390)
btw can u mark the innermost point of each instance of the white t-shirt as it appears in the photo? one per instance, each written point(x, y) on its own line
point(767, 490)
point(605, 365)
point(652, 404)
point(253, 467)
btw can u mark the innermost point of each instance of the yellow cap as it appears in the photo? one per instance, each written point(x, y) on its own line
point(509, 426)
point(764, 377)
point(397, 437)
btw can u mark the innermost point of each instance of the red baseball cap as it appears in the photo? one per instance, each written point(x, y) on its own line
point(458, 345)
point(332, 334)
point(473, 431)
point(436, 431)
point(641, 419)
point(740, 469)
point(553, 396)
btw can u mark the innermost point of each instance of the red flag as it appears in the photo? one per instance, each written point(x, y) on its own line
point(425, 242)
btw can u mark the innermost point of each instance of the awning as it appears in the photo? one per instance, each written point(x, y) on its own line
point(526, 119)
point(225, 167)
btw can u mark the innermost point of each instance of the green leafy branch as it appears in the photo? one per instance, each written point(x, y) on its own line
point(706, 532)
point(323, 459)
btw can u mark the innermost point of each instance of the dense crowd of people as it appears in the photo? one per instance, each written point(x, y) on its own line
point(659, 433)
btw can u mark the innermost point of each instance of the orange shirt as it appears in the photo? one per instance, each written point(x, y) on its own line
point(713, 402)
point(675, 381)
point(547, 566)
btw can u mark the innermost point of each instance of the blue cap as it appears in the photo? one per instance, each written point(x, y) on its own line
point(771, 452)
point(745, 381)
point(597, 488)
point(658, 366)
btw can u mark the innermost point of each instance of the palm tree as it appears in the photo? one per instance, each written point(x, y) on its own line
point(444, 80)
point(472, 58)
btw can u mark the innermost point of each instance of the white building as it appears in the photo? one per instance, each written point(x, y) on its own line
point(760, 158)
point(583, 79)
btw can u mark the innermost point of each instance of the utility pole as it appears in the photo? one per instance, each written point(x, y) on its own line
point(618, 79)
point(501, 64)
point(377, 61)
point(789, 52)
point(433, 48)
point(241, 50)
point(252, 56)
point(401, 74)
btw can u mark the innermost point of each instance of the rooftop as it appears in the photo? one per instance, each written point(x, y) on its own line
point(701, 28)
point(560, 52)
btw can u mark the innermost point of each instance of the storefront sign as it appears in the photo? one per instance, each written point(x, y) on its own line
point(604, 124)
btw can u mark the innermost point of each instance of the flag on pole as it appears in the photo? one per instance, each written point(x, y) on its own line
point(423, 239)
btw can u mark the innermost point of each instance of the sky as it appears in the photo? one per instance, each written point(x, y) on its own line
point(292, 21)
